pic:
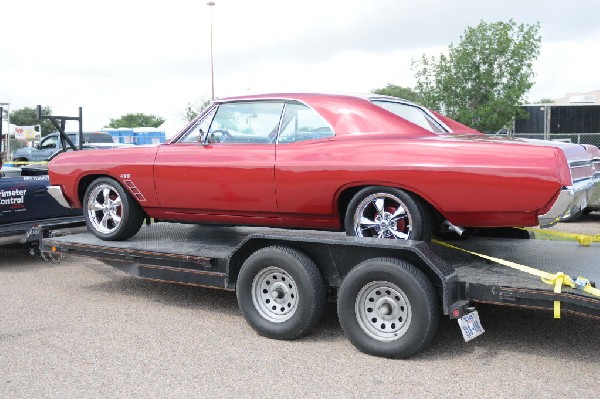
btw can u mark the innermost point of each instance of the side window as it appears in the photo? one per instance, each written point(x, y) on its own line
point(197, 130)
point(302, 123)
point(246, 122)
point(49, 143)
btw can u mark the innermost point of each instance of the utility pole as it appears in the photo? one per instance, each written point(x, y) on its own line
point(7, 145)
point(212, 69)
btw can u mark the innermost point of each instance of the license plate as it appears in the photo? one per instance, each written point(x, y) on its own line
point(470, 326)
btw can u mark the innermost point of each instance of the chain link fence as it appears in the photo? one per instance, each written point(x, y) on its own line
point(577, 138)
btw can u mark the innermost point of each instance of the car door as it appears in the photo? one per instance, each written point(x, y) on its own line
point(47, 147)
point(305, 176)
point(229, 173)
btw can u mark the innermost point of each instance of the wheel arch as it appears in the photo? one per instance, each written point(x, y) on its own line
point(346, 194)
point(85, 182)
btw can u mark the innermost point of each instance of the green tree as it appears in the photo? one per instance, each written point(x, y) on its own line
point(192, 110)
point(483, 79)
point(28, 117)
point(545, 101)
point(136, 120)
point(398, 91)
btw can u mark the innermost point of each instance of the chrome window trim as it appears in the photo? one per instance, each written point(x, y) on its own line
point(198, 120)
point(312, 109)
point(396, 100)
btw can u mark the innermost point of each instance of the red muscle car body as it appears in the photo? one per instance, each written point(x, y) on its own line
point(253, 168)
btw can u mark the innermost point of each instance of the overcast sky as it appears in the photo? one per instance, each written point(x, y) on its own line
point(114, 57)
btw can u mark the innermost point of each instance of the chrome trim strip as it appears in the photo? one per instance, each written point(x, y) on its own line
point(56, 193)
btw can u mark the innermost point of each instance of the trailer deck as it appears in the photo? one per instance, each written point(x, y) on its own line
point(201, 255)
point(484, 281)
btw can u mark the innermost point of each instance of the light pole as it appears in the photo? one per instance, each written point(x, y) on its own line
point(212, 69)
point(7, 146)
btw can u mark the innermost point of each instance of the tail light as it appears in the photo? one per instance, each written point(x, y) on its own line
point(564, 171)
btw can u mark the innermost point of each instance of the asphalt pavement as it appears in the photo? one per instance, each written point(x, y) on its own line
point(81, 329)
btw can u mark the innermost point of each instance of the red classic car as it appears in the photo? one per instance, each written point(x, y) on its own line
point(371, 165)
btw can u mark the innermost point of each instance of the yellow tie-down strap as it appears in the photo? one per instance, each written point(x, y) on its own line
point(24, 162)
point(557, 279)
point(582, 239)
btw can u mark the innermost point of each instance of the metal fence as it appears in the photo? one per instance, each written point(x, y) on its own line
point(578, 138)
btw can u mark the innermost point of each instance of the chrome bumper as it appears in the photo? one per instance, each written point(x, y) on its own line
point(56, 193)
point(573, 199)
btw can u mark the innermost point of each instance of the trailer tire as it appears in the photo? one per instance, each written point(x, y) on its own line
point(387, 307)
point(111, 213)
point(280, 292)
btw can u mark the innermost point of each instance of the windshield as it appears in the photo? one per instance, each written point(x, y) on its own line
point(411, 113)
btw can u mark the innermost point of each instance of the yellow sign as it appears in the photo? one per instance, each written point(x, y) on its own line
point(27, 133)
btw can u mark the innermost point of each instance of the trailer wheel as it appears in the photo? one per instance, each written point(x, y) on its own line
point(280, 292)
point(387, 307)
point(111, 213)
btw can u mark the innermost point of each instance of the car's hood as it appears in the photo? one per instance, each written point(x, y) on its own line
point(94, 158)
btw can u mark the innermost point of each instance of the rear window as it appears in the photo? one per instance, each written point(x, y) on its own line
point(97, 138)
point(412, 114)
point(93, 138)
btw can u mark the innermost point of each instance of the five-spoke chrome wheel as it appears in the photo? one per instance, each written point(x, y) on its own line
point(105, 208)
point(110, 211)
point(388, 212)
point(382, 215)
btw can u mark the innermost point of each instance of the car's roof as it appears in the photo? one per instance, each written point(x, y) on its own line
point(300, 96)
point(346, 113)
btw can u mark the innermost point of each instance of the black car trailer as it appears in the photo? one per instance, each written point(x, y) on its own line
point(389, 293)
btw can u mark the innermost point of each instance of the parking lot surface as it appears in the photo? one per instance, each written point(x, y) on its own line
point(79, 328)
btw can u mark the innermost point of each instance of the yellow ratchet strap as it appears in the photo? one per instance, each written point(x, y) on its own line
point(557, 279)
point(582, 239)
point(25, 163)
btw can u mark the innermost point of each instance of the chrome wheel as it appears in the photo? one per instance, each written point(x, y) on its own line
point(383, 215)
point(274, 294)
point(383, 311)
point(105, 208)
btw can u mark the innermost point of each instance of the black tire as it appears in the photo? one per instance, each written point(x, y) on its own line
point(24, 160)
point(121, 221)
point(388, 285)
point(415, 224)
point(295, 278)
point(573, 217)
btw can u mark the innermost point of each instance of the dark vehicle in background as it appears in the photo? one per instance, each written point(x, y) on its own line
point(51, 145)
point(26, 207)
